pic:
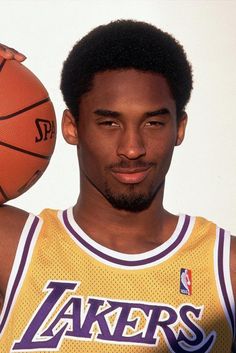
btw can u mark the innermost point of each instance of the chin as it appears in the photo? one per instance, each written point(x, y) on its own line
point(134, 205)
point(132, 200)
point(135, 202)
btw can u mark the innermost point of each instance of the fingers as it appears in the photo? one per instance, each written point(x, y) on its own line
point(10, 53)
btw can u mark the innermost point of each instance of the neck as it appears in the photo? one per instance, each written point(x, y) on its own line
point(120, 230)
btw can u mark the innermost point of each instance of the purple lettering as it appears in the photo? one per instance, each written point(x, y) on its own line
point(166, 323)
point(96, 315)
point(73, 318)
point(199, 339)
point(135, 323)
point(27, 341)
point(153, 324)
point(123, 322)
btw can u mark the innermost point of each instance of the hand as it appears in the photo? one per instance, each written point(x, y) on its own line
point(10, 53)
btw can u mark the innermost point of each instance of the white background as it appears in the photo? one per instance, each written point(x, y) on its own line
point(202, 177)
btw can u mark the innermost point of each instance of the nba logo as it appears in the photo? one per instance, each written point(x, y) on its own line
point(185, 281)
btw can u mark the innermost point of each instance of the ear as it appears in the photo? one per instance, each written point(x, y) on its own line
point(69, 128)
point(181, 127)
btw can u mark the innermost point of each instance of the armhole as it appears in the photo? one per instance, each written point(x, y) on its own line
point(223, 278)
point(20, 265)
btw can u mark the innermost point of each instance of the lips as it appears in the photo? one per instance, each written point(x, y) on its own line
point(130, 175)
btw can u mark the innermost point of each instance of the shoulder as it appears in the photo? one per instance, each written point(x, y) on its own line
point(233, 263)
point(12, 221)
point(230, 239)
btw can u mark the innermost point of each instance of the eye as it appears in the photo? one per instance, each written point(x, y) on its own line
point(154, 123)
point(109, 123)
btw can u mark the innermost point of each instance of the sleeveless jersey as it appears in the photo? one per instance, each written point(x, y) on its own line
point(68, 293)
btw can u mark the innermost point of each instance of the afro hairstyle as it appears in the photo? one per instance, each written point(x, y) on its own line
point(126, 44)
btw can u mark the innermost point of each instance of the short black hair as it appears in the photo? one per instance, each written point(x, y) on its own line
point(126, 44)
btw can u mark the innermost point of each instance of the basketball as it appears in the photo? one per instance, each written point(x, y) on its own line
point(27, 129)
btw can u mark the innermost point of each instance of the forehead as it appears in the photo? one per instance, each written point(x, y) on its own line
point(130, 85)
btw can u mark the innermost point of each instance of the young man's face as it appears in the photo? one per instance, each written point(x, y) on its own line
point(126, 135)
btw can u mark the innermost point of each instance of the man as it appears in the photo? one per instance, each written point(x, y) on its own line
point(107, 274)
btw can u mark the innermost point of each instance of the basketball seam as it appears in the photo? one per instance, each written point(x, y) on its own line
point(25, 109)
point(24, 151)
point(4, 194)
point(2, 64)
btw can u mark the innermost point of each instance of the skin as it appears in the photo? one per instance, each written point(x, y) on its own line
point(128, 119)
point(10, 53)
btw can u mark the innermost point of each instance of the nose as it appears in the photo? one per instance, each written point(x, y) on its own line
point(131, 145)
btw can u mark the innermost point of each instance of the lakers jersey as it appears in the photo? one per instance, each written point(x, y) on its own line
point(69, 294)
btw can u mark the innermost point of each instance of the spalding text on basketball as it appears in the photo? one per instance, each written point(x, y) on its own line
point(46, 129)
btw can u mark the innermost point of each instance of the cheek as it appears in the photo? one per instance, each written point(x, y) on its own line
point(161, 146)
point(92, 157)
point(94, 144)
point(87, 157)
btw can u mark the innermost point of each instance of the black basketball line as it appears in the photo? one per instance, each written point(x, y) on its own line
point(2, 64)
point(30, 182)
point(25, 109)
point(24, 151)
point(3, 194)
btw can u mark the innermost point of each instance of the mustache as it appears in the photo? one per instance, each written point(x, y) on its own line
point(131, 165)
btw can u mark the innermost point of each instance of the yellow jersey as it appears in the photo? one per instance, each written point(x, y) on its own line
point(67, 293)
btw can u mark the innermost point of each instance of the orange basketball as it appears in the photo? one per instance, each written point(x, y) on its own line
point(27, 129)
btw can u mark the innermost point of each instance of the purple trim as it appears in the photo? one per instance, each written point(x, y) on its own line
point(126, 262)
point(222, 278)
point(20, 270)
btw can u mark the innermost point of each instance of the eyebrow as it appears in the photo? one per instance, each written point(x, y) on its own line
point(114, 114)
point(106, 112)
point(162, 111)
